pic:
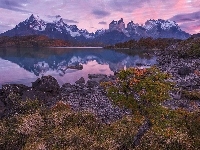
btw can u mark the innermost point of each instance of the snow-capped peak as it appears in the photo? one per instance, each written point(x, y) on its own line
point(164, 24)
point(34, 22)
point(54, 23)
point(33, 18)
point(168, 24)
point(100, 30)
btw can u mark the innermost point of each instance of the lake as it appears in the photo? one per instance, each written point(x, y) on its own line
point(25, 65)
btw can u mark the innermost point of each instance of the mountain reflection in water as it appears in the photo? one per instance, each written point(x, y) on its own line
point(25, 65)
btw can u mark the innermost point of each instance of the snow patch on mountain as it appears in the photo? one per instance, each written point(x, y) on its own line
point(100, 32)
point(74, 60)
point(73, 34)
point(168, 24)
point(56, 23)
point(164, 24)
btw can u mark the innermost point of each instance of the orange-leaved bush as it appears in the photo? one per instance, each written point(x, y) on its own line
point(144, 86)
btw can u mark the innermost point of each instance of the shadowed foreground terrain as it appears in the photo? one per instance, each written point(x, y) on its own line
point(137, 108)
point(46, 116)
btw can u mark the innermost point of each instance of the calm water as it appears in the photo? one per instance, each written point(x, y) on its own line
point(26, 65)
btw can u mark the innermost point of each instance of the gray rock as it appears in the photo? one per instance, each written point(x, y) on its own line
point(183, 71)
point(47, 84)
point(92, 83)
point(95, 101)
point(66, 85)
point(80, 81)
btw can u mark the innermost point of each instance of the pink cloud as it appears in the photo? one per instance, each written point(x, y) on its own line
point(82, 11)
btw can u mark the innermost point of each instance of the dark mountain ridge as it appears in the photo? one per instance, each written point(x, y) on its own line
point(117, 32)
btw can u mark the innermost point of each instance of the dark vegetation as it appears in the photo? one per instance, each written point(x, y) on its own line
point(42, 41)
point(189, 48)
point(31, 41)
point(145, 43)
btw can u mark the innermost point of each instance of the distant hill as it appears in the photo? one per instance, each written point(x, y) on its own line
point(196, 35)
point(145, 43)
point(31, 41)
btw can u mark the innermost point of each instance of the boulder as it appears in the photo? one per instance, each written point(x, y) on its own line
point(92, 83)
point(81, 81)
point(47, 84)
point(68, 88)
point(185, 70)
point(66, 85)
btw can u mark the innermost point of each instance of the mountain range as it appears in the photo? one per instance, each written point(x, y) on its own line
point(117, 31)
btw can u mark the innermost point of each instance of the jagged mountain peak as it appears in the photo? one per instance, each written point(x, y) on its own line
point(121, 20)
point(33, 18)
point(164, 24)
point(131, 23)
point(56, 28)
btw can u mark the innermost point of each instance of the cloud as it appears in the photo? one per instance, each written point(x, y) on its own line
point(107, 10)
point(56, 16)
point(128, 6)
point(102, 22)
point(70, 21)
point(100, 13)
point(186, 17)
point(192, 27)
point(189, 22)
point(5, 27)
point(65, 20)
point(14, 5)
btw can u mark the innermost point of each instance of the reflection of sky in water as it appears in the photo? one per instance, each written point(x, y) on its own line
point(72, 75)
point(18, 68)
point(12, 73)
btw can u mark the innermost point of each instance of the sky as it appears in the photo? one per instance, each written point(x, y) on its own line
point(97, 14)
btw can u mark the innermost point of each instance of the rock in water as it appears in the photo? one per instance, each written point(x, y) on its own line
point(47, 84)
point(91, 76)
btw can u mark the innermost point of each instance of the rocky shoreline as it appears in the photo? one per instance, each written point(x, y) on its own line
point(185, 74)
point(81, 96)
point(90, 96)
